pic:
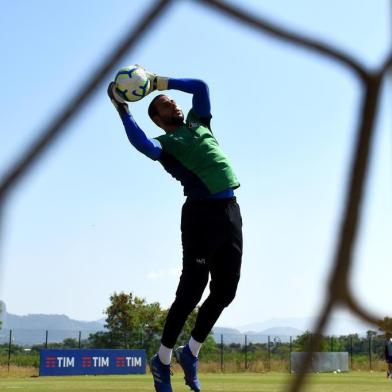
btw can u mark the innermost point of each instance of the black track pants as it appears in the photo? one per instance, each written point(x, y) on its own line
point(212, 244)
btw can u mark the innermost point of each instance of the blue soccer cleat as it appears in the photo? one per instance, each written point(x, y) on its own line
point(189, 364)
point(161, 374)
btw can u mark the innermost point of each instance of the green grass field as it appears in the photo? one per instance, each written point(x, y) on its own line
point(240, 382)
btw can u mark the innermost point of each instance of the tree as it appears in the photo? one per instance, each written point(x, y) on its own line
point(386, 325)
point(99, 340)
point(310, 341)
point(70, 343)
point(209, 347)
point(133, 323)
point(370, 333)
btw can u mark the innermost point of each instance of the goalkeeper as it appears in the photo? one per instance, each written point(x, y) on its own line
point(211, 224)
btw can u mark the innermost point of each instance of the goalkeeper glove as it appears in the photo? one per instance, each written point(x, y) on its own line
point(156, 82)
point(120, 105)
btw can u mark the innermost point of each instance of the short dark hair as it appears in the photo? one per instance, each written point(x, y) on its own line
point(152, 109)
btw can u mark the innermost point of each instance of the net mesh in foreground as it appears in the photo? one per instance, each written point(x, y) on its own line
point(339, 293)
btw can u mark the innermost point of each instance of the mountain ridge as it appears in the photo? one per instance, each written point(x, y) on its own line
point(337, 325)
point(31, 328)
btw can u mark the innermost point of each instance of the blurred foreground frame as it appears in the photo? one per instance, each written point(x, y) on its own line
point(338, 291)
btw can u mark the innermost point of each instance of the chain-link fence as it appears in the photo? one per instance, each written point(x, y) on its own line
point(339, 293)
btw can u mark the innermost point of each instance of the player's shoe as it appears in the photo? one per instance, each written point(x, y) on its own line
point(189, 364)
point(161, 374)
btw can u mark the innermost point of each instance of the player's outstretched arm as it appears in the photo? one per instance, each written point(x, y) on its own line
point(148, 147)
point(201, 105)
point(201, 97)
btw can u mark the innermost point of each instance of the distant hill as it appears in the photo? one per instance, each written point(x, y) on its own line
point(231, 335)
point(342, 325)
point(31, 329)
point(3, 312)
point(282, 331)
point(225, 331)
point(281, 334)
point(49, 321)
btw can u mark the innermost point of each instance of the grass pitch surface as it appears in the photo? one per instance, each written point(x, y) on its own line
point(239, 382)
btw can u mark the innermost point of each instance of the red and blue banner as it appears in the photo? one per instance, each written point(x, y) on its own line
point(92, 361)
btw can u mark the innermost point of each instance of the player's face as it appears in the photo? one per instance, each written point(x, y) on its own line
point(169, 112)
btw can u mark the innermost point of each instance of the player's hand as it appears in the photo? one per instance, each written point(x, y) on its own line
point(151, 77)
point(120, 105)
point(156, 82)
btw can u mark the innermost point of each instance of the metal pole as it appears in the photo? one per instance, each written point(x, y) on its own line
point(46, 338)
point(246, 352)
point(370, 352)
point(269, 353)
point(80, 339)
point(311, 349)
point(291, 350)
point(9, 350)
point(221, 352)
point(351, 352)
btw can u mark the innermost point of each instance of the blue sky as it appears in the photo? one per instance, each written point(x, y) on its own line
point(95, 216)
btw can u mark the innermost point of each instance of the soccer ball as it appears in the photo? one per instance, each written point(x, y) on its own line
point(132, 83)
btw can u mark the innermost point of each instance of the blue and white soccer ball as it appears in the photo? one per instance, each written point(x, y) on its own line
point(132, 83)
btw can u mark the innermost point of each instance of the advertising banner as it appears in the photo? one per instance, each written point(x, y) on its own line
point(91, 361)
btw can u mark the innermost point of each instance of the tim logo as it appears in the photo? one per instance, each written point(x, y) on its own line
point(86, 362)
point(120, 361)
point(50, 362)
point(59, 362)
point(128, 361)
